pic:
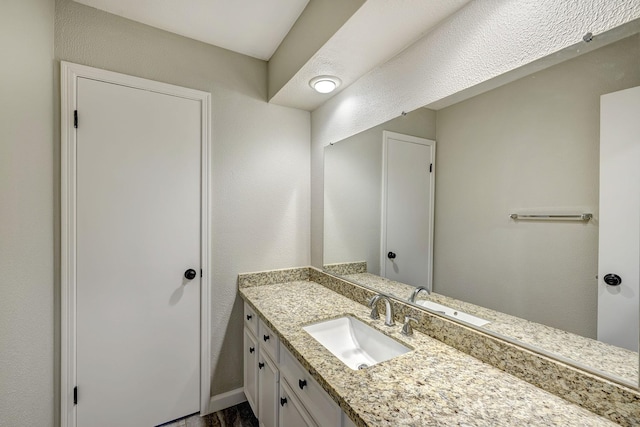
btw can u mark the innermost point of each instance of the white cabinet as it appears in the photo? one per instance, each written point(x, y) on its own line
point(268, 391)
point(279, 390)
point(269, 341)
point(315, 400)
point(292, 413)
point(261, 373)
point(251, 369)
point(250, 319)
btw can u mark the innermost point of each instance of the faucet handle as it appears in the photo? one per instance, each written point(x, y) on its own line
point(374, 308)
point(406, 328)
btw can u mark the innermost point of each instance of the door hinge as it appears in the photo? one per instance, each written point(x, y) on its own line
point(200, 272)
point(75, 119)
point(75, 395)
point(431, 167)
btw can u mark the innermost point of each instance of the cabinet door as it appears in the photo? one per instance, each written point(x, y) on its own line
point(315, 400)
point(267, 391)
point(292, 413)
point(251, 370)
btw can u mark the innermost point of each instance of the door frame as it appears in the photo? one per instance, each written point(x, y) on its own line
point(386, 136)
point(69, 74)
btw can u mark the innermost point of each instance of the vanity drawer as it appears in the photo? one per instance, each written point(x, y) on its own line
point(250, 319)
point(320, 406)
point(269, 342)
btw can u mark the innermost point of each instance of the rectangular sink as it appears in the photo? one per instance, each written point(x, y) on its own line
point(355, 343)
point(456, 314)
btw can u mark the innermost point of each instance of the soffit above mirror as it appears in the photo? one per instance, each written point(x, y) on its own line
point(377, 31)
point(482, 46)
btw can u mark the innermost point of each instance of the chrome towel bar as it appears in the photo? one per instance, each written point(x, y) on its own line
point(575, 217)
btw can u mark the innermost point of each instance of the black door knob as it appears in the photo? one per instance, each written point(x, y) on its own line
point(391, 255)
point(612, 279)
point(190, 274)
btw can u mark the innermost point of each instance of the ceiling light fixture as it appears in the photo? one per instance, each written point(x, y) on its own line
point(325, 84)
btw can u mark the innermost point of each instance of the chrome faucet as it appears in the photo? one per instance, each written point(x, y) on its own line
point(388, 318)
point(416, 291)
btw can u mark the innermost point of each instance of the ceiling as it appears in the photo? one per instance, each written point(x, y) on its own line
point(251, 27)
point(375, 33)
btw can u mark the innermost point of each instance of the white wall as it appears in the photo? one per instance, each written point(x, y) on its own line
point(484, 40)
point(260, 156)
point(26, 214)
point(353, 189)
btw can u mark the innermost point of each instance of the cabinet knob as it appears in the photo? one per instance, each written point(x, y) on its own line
point(265, 338)
point(190, 274)
point(252, 349)
point(283, 401)
point(391, 255)
point(260, 365)
point(302, 383)
point(249, 316)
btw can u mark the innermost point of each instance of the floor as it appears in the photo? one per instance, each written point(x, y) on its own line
point(236, 416)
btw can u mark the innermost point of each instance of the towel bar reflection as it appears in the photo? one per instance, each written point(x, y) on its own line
point(576, 217)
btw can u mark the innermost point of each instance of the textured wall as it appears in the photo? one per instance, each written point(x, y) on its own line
point(531, 145)
point(260, 156)
point(485, 39)
point(353, 189)
point(26, 214)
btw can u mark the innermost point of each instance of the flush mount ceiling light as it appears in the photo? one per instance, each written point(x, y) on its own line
point(325, 84)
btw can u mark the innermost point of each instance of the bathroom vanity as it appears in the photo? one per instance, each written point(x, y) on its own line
point(292, 379)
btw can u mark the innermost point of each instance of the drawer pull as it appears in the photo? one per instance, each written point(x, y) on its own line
point(260, 365)
point(302, 383)
point(283, 401)
point(265, 338)
point(252, 349)
point(249, 316)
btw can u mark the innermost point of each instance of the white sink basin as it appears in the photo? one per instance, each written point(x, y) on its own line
point(456, 314)
point(355, 343)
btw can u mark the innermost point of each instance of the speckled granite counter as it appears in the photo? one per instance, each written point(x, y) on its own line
point(602, 357)
point(433, 385)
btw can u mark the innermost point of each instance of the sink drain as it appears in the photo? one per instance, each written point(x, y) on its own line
point(362, 366)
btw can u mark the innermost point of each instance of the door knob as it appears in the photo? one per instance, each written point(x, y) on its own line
point(391, 255)
point(190, 274)
point(612, 279)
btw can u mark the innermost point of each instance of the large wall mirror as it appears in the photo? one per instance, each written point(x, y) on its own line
point(531, 146)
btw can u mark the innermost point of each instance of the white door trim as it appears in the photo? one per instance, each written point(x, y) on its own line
point(386, 135)
point(69, 74)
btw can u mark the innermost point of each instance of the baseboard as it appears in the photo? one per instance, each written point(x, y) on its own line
point(226, 400)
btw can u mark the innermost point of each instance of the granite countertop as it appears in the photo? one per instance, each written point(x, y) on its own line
point(433, 385)
point(606, 358)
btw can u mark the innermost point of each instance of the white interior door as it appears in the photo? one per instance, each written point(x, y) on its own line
point(138, 231)
point(619, 233)
point(407, 209)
